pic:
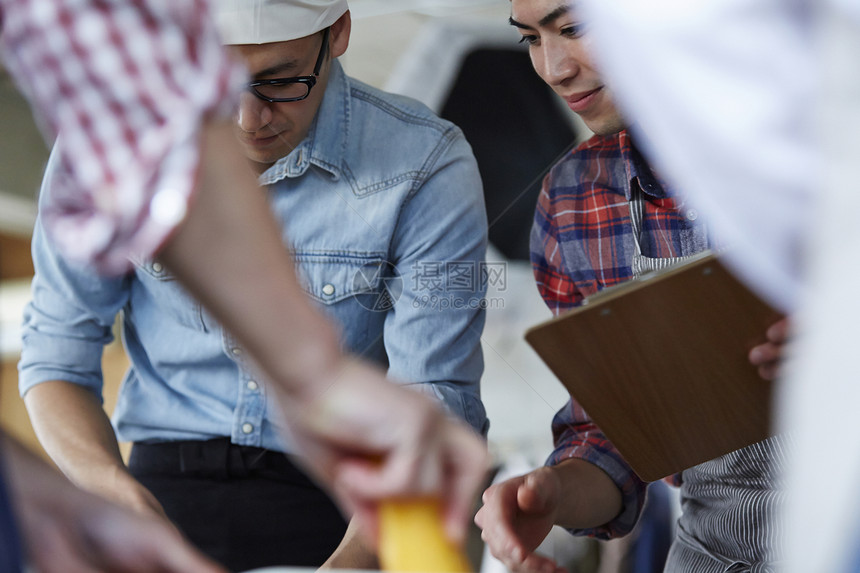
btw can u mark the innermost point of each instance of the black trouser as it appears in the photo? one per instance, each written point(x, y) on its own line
point(10, 539)
point(245, 507)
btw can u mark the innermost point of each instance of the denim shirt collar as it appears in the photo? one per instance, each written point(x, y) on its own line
point(325, 144)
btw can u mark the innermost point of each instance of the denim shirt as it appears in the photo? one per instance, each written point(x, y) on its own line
point(383, 207)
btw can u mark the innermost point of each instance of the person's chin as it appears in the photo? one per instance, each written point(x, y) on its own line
point(256, 151)
point(266, 149)
point(605, 124)
point(256, 156)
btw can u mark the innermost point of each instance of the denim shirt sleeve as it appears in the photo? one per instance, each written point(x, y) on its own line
point(69, 318)
point(432, 335)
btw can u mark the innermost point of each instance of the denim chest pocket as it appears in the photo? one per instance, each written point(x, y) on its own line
point(332, 277)
point(165, 292)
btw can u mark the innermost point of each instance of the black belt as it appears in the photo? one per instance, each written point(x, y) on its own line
point(217, 458)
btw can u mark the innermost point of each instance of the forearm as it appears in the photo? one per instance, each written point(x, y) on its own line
point(74, 429)
point(588, 496)
point(229, 253)
point(76, 432)
point(576, 437)
point(353, 552)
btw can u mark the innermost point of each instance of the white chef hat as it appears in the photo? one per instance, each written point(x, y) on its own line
point(265, 21)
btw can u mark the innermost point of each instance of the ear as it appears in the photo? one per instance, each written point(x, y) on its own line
point(340, 35)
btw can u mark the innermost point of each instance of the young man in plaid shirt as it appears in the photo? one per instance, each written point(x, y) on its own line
point(583, 240)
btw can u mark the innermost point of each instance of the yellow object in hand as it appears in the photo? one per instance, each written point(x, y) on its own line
point(412, 538)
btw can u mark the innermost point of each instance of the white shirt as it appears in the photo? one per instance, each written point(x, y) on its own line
point(754, 107)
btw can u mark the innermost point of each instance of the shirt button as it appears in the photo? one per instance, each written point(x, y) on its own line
point(247, 428)
point(252, 385)
point(328, 289)
point(157, 267)
point(692, 215)
point(236, 351)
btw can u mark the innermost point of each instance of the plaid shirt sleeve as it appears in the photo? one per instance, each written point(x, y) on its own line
point(128, 85)
point(575, 435)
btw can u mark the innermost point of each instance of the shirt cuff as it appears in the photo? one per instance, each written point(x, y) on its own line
point(632, 488)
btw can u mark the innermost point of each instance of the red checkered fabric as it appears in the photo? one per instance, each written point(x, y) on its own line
point(127, 86)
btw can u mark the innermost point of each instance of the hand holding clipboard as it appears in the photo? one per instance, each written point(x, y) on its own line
point(661, 365)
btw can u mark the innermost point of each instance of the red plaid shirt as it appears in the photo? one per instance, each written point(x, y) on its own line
point(582, 241)
point(127, 85)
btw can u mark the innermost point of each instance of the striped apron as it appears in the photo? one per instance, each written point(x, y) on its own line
point(730, 505)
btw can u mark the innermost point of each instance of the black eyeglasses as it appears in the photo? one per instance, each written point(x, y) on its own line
point(290, 89)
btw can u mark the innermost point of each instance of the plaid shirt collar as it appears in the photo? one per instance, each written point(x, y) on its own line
point(638, 171)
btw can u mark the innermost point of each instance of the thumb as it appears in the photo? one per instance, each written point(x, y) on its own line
point(535, 493)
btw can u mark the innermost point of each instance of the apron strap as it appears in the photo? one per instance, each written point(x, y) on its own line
point(642, 264)
point(637, 215)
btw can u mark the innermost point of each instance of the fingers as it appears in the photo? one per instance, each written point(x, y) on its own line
point(517, 516)
point(767, 356)
point(408, 462)
point(452, 466)
point(503, 544)
point(369, 439)
point(496, 519)
point(516, 558)
point(500, 505)
point(778, 332)
point(537, 493)
point(534, 563)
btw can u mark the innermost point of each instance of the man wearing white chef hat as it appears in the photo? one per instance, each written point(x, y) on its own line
point(383, 206)
point(290, 49)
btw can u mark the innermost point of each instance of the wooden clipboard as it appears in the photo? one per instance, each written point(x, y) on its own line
point(660, 364)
